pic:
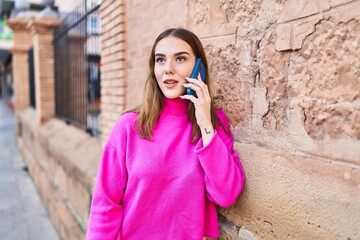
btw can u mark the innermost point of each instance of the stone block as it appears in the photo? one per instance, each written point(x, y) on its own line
point(79, 197)
point(328, 83)
point(334, 3)
point(292, 35)
point(208, 18)
point(59, 176)
point(293, 9)
point(232, 75)
point(246, 234)
point(344, 12)
point(260, 105)
point(312, 92)
point(228, 232)
point(296, 195)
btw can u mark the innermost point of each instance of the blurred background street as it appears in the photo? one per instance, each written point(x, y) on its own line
point(22, 214)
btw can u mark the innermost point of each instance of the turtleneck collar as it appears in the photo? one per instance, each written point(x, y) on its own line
point(176, 106)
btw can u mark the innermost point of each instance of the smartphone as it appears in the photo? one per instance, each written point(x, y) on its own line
point(198, 68)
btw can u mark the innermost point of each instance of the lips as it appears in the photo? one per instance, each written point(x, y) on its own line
point(170, 83)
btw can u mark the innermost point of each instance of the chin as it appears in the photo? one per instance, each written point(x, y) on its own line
point(173, 95)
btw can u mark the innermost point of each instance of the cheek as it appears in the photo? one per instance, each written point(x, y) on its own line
point(186, 71)
point(158, 72)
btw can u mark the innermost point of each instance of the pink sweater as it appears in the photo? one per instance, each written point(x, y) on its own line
point(167, 188)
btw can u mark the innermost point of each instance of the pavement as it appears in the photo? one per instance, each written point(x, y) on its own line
point(22, 214)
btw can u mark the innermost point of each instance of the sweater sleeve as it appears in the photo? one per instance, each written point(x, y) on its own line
point(224, 174)
point(106, 210)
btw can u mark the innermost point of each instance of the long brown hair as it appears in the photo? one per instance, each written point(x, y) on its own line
point(153, 101)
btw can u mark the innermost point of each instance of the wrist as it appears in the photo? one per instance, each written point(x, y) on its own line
point(207, 130)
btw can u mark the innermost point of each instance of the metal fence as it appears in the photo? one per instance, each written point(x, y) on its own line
point(77, 67)
point(32, 78)
point(6, 81)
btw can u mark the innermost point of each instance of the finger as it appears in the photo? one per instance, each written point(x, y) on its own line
point(199, 78)
point(192, 86)
point(197, 89)
point(204, 87)
point(201, 84)
point(189, 97)
point(196, 81)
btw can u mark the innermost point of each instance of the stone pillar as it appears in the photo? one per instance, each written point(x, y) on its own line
point(22, 44)
point(43, 35)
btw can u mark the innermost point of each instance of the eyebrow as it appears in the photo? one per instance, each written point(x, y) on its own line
point(175, 54)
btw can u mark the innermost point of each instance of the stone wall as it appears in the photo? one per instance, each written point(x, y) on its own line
point(287, 75)
point(62, 161)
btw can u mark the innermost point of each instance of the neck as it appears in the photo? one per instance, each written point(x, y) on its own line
point(176, 106)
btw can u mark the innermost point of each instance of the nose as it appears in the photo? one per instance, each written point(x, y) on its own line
point(169, 69)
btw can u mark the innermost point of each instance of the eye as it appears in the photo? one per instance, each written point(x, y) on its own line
point(159, 60)
point(181, 59)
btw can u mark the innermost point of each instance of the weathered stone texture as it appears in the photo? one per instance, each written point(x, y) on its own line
point(334, 3)
point(251, 18)
point(232, 77)
point(288, 79)
point(295, 9)
point(273, 76)
point(296, 196)
point(326, 77)
point(209, 17)
point(295, 25)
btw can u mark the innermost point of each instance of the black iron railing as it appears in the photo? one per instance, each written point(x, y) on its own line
point(32, 78)
point(77, 68)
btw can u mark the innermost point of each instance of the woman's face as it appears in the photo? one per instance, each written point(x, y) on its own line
point(174, 60)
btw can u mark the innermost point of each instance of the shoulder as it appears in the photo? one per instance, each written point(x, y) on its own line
point(128, 117)
point(126, 120)
point(124, 125)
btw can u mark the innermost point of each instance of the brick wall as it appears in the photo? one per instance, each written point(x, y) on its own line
point(112, 63)
point(287, 75)
point(144, 21)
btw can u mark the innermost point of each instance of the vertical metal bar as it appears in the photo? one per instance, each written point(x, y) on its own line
point(75, 52)
point(84, 62)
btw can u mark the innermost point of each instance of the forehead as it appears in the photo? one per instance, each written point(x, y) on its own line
point(171, 45)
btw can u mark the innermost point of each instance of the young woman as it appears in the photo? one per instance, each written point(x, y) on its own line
point(168, 163)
